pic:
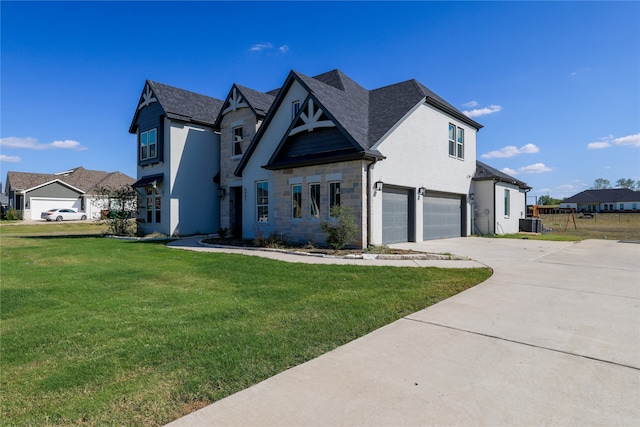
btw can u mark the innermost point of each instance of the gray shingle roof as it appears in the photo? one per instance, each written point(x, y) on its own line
point(185, 105)
point(260, 101)
point(80, 178)
point(365, 116)
point(605, 195)
point(485, 172)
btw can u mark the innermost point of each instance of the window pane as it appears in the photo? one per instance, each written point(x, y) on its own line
point(452, 148)
point(296, 201)
point(152, 150)
point(334, 195)
point(460, 143)
point(263, 213)
point(152, 136)
point(506, 202)
point(143, 145)
point(262, 201)
point(452, 132)
point(314, 200)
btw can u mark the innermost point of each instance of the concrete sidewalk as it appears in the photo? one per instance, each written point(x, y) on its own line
point(552, 338)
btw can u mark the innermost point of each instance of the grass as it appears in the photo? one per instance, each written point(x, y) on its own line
point(612, 226)
point(109, 332)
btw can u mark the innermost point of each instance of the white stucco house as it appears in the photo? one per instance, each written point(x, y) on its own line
point(401, 157)
point(499, 201)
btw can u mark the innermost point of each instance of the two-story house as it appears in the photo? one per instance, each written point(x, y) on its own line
point(400, 157)
point(178, 152)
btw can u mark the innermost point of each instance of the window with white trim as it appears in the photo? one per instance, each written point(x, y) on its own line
point(334, 195)
point(148, 144)
point(456, 141)
point(237, 141)
point(314, 200)
point(262, 201)
point(296, 201)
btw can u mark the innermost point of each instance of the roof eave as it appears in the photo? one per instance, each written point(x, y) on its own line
point(453, 112)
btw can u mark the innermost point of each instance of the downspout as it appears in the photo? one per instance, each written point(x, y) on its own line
point(369, 195)
point(495, 214)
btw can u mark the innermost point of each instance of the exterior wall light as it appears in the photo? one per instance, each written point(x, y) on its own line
point(221, 193)
point(422, 191)
point(379, 185)
point(472, 196)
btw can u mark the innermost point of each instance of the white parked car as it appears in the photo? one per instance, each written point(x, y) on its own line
point(62, 215)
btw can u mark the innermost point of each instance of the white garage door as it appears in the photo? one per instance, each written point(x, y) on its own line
point(41, 204)
point(442, 216)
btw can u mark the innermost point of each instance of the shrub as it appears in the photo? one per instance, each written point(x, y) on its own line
point(12, 215)
point(343, 230)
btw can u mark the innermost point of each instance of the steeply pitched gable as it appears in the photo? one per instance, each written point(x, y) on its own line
point(178, 104)
point(240, 96)
point(363, 116)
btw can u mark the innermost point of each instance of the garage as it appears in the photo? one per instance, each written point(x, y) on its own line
point(41, 204)
point(395, 215)
point(441, 216)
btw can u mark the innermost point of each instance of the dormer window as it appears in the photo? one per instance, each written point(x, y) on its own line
point(148, 144)
point(237, 141)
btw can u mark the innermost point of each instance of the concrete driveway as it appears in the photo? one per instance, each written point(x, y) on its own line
point(552, 338)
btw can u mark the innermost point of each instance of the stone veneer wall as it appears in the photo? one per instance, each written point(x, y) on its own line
point(353, 183)
point(228, 162)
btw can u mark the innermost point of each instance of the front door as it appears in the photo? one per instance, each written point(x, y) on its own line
point(236, 224)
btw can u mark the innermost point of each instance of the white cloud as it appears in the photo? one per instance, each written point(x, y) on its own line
point(597, 145)
point(284, 48)
point(13, 142)
point(511, 151)
point(33, 144)
point(482, 111)
point(609, 141)
point(68, 144)
point(470, 104)
point(633, 140)
point(567, 187)
point(534, 168)
point(261, 46)
point(10, 159)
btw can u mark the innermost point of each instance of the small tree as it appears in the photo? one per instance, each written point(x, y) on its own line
point(601, 184)
point(343, 230)
point(118, 207)
point(626, 183)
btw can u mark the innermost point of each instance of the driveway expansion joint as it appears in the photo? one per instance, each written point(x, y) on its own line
point(555, 350)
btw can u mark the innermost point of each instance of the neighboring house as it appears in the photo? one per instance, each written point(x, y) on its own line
point(263, 163)
point(499, 201)
point(33, 193)
point(606, 200)
point(178, 161)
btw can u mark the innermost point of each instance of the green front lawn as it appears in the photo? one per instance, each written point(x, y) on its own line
point(100, 331)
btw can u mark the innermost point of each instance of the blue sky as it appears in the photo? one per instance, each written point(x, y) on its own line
point(555, 84)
